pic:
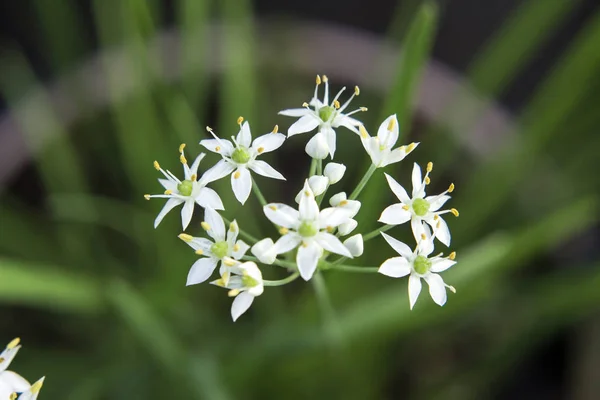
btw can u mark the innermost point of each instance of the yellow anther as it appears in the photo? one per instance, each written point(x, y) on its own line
point(325, 79)
point(363, 132)
point(260, 150)
point(218, 148)
point(427, 180)
point(168, 192)
point(185, 237)
point(2, 360)
point(436, 217)
point(275, 129)
point(304, 244)
point(343, 203)
point(329, 229)
point(411, 147)
point(36, 387)
point(14, 343)
point(13, 396)
point(356, 90)
point(451, 188)
point(391, 124)
point(406, 208)
point(305, 104)
point(219, 282)
point(423, 236)
point(157, 165)
point(318, 80)
point(364, 109)
point(181, 147)
point(229, 262)
point(283, 230)
point(182, 159)
point(240, 120)
point(455, 212)
point(199, 252)
point(452, 255)
point(402, 148)
point(307, 193)
point(439, 223)
point(232, 227)
point(193, 177)
point(209, 129)
point(205, 225)
point(273, 208)
point(233, 292)
point(236, 247)
point(236, 175)
point(429, 166)
point(452, 288)
point(147, 196)
point(336, 104)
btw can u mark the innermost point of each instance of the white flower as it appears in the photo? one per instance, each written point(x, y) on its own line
point(318, 184)
point(245, 283)
point(334, 172)
point(379, 148)
point(238, 160)
point(355, 245)
point(225, 246)
point(265, 251)
point(419, 265)
point(419, 208)
point(326, 116)
point(188, 192)
point(308, 229)
point(33, 391)
point(352, 206)
point(10, 382)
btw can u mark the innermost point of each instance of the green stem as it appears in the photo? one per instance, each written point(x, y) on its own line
point(376, 232)
point(321, 197)
point(258, 193)
point(243, 233)
point(354, 268)
point(279, 263)
point(313, 167)
point(329, 319)
point(361, 185)
point(283, 281)
point(320, 167)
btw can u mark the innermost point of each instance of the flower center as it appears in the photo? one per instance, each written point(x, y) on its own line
point(220, 249)
point(307, 229)
point(420, 206)
point(241, 155)
point(326, 112)
point(421, 265)
point(248, 281)
point(185, 188)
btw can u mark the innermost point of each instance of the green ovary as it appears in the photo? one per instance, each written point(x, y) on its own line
point(241, 155)
point(325, 113)
point(220, 249)
point(185, 188)
point(420, 206)
point(421, 265)
point(307, 229)
point(248, 281)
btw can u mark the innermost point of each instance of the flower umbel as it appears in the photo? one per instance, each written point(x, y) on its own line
point(245, 283)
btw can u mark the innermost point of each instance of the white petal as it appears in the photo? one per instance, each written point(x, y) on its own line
point(5, 390)
point(168, 185)
point(318, 184)
point(334, 172)
point(200, 244)
point(220, 146)
point(216, 224)
point(346, 122)
point(241, 182)
point(208, 198)
point(268, 142)
point(305, 124)
point(395, 215)
point(287, 242)
point(395, 267)
point(332, 244)
point(186, 213)
point(397, 245)
point(352, 206)
point(169, 205)
point(196, 164)
point(232, 232)
point(417, 181)
point(347, 227)
point(333, 216)
point(331, 140)
point(282, 215)
point(7, 356)
point(242, 248)
point(201, 270)
point(264, 169)
point(33, 391)
point(425, 246)
point(441, 264)
point(371, 145)
point(414, 288)
point(295, 112)
point(317, 147)
point(436, 202)
point(355, 245)
point(217, 171)
point(309, 209)
point(335, 200)
point(437, 289)
point(265, 251)
point(307, 259)
point(416, 225)
point(386, 137)
point(241, 304)
point(441, 231)
point(398, 189)
point(244, 137)
point(14, 381)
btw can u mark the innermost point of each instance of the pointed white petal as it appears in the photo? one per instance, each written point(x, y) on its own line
point(397, 245)
point(232, 232)
point(196, 164)
point(387, 137)
point(169, 205)
point(336, 199)
point(441, 264)
point(332, 244)
point(371, 145)
point(436, 202)
point(201, 270)
point(168, 185)
point(15, 381)
point(282, 215)
point(416, 224)
point(347, 122)
point(398, 189)
point(437, 289)
point(186, 213)
point(268, 142)
point(216, 224)
point(5, 390)
point(441, 231)
point(355, 245)
point(287, 242)
point(217, 171)
point(317, 147)
point(395, 267)
point(331, 140)
point(264, 169)
point(395, 215)
point(241, 304)
point(241, 182)
point(417, 181)
point(242, 248)
point(308, 208)
point(220, 146)
point(307, 259)
point(200, 244)
point(347, 227)
point(7, 356)
point(244, 137)
point(333, 216)
point(305, 124)
point(295, 112)
point(334, 172)
point(208, 198)
point(414, 289)
point(318, 184)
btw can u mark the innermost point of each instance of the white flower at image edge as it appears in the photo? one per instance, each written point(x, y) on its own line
point(33, 391)
point(238, 160)
point(325, 116)
point(10, 382)
point(379, 147)
point(188, 192)
point(308, 229)
point(245, 283)
point(419, 209)
point(419, 266)
point(225, 246)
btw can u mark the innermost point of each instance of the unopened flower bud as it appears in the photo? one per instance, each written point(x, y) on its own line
point(355, 245)
point(334, 172)
point(347, 227)
point(264, 250)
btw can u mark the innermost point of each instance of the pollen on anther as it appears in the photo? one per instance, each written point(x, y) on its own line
point(229, 262)
point(305, 104)
point(364, 109)
point(356, 90)
point(218, 148)
point(363, 132)
point(329, 229)
point(157, 165)
point(205, 225)
point(423, 236)
point(193, 177)
point(452, 255)
point(199, 252)
point(429, 166)
point(147, 196)
point(283, 230)
point(336, 104)
point(275, 129)
point(451, 188)
point(236, 175)
point(14, 343)
point(318, 80)
point(343, 203)
point(427, 180)
point(240, 120)
point(325, 78)
point(181, 147)
point(391, 124)
point(185, 237)
point(232, 227)
point(209, 129)
point(411, 146)
point(455, 212)
point(13, 396)
point(182, 159)
point(436, 217)
point(168, 192)
point(236, 247)
point(406, 208)
point(233, 292)
point(260, 150)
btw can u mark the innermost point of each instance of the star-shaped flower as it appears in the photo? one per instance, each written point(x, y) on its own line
point(188, 192)
point(326, 116)
point(419, 209)
point(419, 265)
point(245, 283)
point(308, 229)
point(10, 382)
point(241, 158)
point(379, 147)
point(225, 246)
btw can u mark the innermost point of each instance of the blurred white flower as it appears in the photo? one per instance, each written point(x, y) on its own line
point(225, 246)
point(188, 192)
point(245, 283)
point(239, 160)
point(355, 245)
point(325, 116)
point(334, 172)
point(379, 147)
point(419, 209)
point(419, 265)
point(308, 229)
point(33, 391)
point(10, 382)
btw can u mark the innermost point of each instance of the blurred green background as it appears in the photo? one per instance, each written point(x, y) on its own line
point(503, 97)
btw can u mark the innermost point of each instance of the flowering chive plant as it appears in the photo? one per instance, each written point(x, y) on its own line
point(308, 237)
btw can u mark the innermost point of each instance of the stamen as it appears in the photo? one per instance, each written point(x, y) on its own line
point(363, 132)
point(218, 148)
point(232, 227)
point(435, 217)
point(260, 150)
point(14, 343)
point(343, 203)
point(229, 262)
point(325, 79)
point(451, 188)
point(147, 196)
point(423, 236)
point(199, 252)
point(236, 247)
point(283, 230)
point(336, 104)
point(157, 165)
point(273, 208)
point(185, 237)
point(181, 147)
point(454, 211)
point(391, 124)
point(452, 256)
point(193, 177)
point(429, 166)
point(205, 225)
point(236, 175)
point(406, 208)
point(318, 80)
point(439, 223)
point(360, 109)
point(338, 94)
point(356, 90)
point(305, 104)
point(182, 159)
point(233, 292)
point(329, 229)
point(452, 289)
point(427, 180)
point(411, 147)
point(168, 192)
point(275, 129)
point(13, 396)
point(240, 120)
